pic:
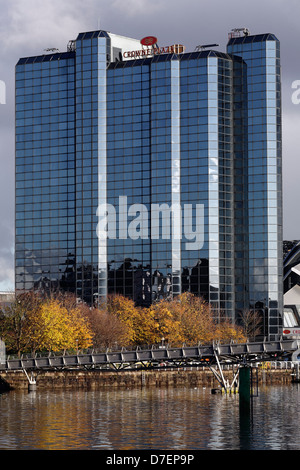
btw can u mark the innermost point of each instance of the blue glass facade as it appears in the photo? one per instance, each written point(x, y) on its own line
point(91, 57)
point(191, 137)
point(45, 173)
point(261, 53)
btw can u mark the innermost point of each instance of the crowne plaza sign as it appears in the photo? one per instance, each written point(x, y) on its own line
point(153, 50)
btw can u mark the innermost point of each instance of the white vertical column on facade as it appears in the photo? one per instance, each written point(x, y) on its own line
point(2, 92)
point(175, 176)
point(2, 352)
point(102, 171)
point(213, 175)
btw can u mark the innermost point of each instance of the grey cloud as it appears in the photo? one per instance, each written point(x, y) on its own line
point(27, 27)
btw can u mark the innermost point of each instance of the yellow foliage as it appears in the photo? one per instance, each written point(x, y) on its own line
point(126, 312)
point(60, 323)
point(226, 331)
point(167, 327)
point(54, 328)
point(81, 333)
point(186, 319)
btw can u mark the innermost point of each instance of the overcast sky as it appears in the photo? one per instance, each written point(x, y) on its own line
point(27, 27)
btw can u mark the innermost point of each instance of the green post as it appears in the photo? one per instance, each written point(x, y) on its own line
point(244, 389)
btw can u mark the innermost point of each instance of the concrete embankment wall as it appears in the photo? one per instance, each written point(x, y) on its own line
point(99, 379)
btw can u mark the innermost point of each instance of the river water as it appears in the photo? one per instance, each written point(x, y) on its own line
point(167, 418)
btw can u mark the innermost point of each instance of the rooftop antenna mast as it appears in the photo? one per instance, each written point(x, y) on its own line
point(71, 45)
point(236, 32)
point(205, 46)
point(51, 49)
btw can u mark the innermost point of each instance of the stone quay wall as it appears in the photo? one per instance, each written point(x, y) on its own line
point(162, 377)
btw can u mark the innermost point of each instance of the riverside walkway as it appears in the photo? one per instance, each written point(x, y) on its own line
point(214, 356)
point(215, 353)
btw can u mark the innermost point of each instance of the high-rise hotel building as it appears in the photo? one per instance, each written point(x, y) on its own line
point(183, 150)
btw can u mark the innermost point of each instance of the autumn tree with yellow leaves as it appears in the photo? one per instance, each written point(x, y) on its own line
point(167, 328)
point(192, 318)
point(186, 319)
point(33, 323)
point(55, 328)
point(59, 322)
point(14, 321)
point(226, 331)
point(138, 321)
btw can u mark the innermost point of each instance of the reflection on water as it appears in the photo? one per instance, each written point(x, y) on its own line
point(178, 419)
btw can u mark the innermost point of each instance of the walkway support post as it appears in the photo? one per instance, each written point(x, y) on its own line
point(31, 381)
point(227, 387)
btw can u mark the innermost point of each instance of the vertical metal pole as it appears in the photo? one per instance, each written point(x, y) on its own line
point(246, 408)
point(297, 371)
point(244, 389)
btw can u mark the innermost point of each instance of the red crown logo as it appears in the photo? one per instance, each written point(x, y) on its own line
point(149, 41)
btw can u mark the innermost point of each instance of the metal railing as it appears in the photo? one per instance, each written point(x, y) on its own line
point(216, 353)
